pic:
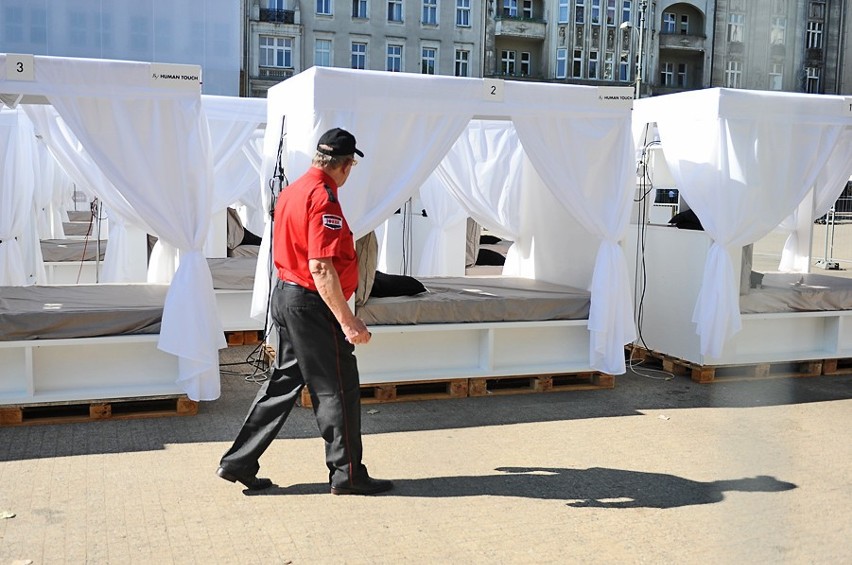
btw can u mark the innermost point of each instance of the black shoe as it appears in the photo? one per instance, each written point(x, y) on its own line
point(367, 486)
point(251, 483)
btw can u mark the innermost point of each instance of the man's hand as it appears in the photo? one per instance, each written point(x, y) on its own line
point(356, 332)
point(328, 286)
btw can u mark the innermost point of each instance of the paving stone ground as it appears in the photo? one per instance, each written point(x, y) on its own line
point(652, 471)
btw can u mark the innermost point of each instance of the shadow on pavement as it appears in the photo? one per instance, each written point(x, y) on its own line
point(596, 487)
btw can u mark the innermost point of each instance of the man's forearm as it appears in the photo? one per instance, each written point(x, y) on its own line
point(330, 290)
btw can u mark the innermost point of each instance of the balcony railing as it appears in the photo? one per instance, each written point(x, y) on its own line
point(679, 41)
point(274, 73)
point(278, 16)
point(529, 28)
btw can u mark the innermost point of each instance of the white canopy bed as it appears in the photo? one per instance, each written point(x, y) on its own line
point(745, 161)
point(143, 128)
point(576, 188)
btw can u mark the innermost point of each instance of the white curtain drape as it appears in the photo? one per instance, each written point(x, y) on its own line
point(587, 165)
point(829, 185)
point(742, 173)
point(151, 142)
point(374, 189)
point(73, 157)
point(16, 196)
point(483, 171)
point(443, 211)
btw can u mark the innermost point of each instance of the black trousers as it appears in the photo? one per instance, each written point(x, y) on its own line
point(312, 350)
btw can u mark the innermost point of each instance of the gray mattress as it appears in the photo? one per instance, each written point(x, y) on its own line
point(451, 300)
point(79, 228)
point(73, 311)
point(792, 292)
point(58, 250)
point(233, 273)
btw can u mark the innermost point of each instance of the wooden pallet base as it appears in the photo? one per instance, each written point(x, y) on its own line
point(399, 392)
point(247, 337)
point(704, 374)
point(96, 410)
point(482, 386)
point(837, 367)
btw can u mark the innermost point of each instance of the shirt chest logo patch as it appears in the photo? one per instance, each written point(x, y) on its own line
point(332, 222)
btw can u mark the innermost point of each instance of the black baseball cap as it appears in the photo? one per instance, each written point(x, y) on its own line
point(338, 142)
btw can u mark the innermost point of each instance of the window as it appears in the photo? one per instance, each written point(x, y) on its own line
point(577, 66)
point(623, 70)
point(14, 23)
point(430, 12)
point(596, 11)
point(817, 10)
point(528, 12)
point(776, 77)
point(812, 80)
point(324, 7)
point(463, 13)
point(814, 35)
point(627, 11)
point(684, 24)
point(359, 9)
point(778, 32)
point(610, 12)
point(139, 33)
point(394, 58)
point(593, 64)
point(462, 63)
point(526, 63)
point(276, 52)
point(561, 62)
point(507, 63)
point(563, 11)
point(276, 4)
point(681, 75)
point(394, 10)
point(359, 55)
point(609, 66)
point(38, 26)
point(667, 74)
point(77, 28)
point(668, 23)
point(579, 11)
point(735, 27)
point(428, 60)
point(733, 74)
point(322, 53)
point(510, 8)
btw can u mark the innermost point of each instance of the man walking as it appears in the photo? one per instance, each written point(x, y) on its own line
point(314, 256)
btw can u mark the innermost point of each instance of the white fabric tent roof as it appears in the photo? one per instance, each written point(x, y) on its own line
point(578, 141)
point(144, 128)
point(745, 160)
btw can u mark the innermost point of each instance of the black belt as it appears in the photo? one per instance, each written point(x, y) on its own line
point(290, 284)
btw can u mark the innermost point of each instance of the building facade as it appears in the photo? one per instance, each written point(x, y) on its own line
point(201, 32)
point(284, 37)
point(785, 45)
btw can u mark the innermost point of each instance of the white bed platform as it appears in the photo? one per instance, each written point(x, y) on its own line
point(674, 263)
point(427, 352)
point(84, 369)
point(83, 343)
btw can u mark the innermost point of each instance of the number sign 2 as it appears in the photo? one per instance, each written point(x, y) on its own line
point(493, 90)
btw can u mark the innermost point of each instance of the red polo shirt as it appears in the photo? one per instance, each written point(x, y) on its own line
point(309, 224)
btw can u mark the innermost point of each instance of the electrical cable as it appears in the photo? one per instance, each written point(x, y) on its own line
point(640, 279)
point(276, 184)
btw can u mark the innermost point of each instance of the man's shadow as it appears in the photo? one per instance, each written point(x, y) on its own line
point(581, 488)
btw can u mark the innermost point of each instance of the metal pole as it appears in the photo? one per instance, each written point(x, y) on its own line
point(643, 6)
